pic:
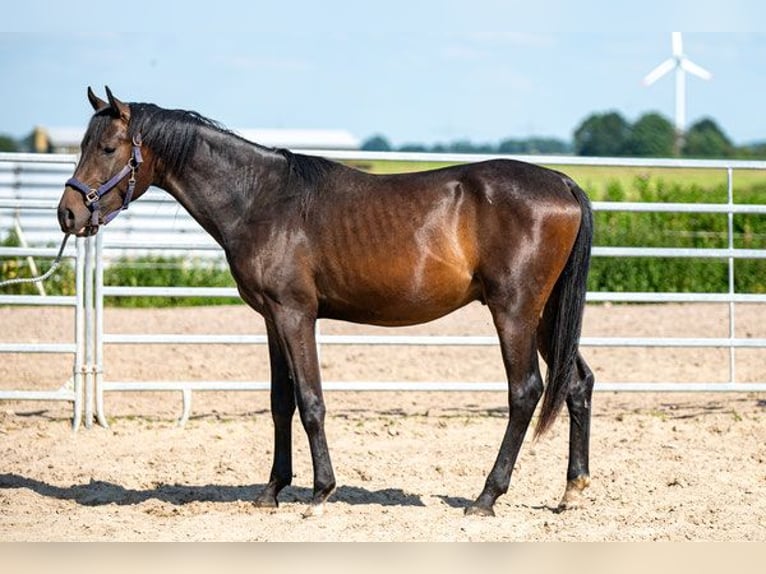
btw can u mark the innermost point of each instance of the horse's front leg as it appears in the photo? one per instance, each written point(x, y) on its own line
point(282, 411)
point(295, 333)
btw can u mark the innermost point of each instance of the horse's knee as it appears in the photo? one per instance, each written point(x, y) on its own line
point(581, 388)
point(526, 395)
point(312, 413)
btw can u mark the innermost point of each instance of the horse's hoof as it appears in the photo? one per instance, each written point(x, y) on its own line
point(572, 499)
point(266, 503)
point(474, 510)
point(314, 510)
point(573, 495)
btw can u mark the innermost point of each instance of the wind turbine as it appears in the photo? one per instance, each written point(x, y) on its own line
point(681, 64)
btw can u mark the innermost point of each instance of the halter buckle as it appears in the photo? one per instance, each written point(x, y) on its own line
point(91, 197)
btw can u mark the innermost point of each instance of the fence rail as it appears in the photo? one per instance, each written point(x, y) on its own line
point(158, 223)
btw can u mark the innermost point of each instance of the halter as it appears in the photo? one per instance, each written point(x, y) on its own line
point(93, 195)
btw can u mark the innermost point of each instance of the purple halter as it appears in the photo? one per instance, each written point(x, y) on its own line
point(93, 195)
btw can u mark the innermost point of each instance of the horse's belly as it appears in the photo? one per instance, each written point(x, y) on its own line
point(395, 306)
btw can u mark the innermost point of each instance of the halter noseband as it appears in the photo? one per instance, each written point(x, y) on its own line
point(93, 195)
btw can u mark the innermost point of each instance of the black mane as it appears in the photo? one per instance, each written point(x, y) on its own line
point(172, 135)
point(308, 170)
point(169, 133)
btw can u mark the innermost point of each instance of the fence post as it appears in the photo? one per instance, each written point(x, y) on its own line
point(98, 341)
point(89, 332)
point(730, 227)
point(78, 368)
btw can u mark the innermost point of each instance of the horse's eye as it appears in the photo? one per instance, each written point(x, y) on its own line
point(109, 150)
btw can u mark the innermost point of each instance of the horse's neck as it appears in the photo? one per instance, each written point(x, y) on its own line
point(218, 184)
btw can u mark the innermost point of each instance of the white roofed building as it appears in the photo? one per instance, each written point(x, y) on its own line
point(67, 139)
point(301, 139)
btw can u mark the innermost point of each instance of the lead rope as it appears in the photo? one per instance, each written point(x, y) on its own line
point(45, 275)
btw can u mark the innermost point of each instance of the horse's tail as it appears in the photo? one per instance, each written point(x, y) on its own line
point(563, 315)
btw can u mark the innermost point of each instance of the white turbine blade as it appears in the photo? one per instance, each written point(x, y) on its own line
point(678, 47)
point(659, 71)
point(695, 69)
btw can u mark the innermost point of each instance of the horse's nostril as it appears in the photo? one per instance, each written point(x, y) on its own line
point(66, 219)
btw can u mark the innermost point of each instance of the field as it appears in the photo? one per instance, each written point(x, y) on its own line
point(672, 466)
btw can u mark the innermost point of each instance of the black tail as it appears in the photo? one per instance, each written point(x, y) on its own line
point(563, 313)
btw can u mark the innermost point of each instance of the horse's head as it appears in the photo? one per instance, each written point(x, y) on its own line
point(109, 174)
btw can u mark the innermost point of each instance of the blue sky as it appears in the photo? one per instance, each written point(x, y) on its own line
point(421, 72)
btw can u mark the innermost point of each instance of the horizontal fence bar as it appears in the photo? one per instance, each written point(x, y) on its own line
point(430, 386)
point(123, 291)
point(702, 253)
point(38, 348)
point(45, 158)
point(627, 206)
point(436, 157)
point(160, 246)
point(19, 203)
point(594, 296)
point(680, 342)
point(181, 339)
point(655, 207)
point(427, 340)
point(39, 300)
point(51, 252)
point(675, 387)
point(645, 297)
point(60, 395)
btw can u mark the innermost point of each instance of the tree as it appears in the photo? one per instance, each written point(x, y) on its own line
point(652, 135)
point(376, 143)
point(413, 148)
point(533, 145)
point(706, 139)
point(602, 135)
point(7, 143)
point(754, 150)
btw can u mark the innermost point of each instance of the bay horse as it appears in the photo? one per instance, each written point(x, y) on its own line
point(308, 238)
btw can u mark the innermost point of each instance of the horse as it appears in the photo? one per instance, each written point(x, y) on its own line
point(308, 238)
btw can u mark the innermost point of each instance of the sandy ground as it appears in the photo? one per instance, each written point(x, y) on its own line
point(665, 466)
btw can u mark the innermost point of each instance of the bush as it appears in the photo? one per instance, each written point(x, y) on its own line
point(62, 282)
point(159, 271)
point(691, 230)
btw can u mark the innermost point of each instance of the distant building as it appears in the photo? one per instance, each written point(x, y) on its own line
point(302, 139)
point(67, 140)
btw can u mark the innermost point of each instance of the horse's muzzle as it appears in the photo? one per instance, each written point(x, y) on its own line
point(72, 224)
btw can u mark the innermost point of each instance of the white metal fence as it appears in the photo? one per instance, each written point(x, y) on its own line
point(157, 222)
point(29, 186)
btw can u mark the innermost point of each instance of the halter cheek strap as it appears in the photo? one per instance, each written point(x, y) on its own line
point(93, 196)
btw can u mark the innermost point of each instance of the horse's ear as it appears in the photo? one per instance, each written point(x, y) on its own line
point(121, 109)
point(97, 103)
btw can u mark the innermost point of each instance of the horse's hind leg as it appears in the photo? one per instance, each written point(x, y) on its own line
point(578, 402)
point(525, 387)
point(579, 407)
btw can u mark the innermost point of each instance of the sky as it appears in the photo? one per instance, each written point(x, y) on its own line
point(415, 72)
